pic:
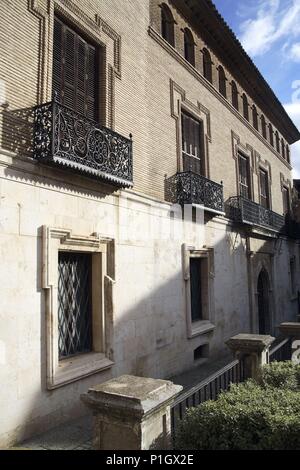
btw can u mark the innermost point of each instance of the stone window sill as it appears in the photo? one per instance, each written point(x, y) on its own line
point(200, 328)
point(76, 368)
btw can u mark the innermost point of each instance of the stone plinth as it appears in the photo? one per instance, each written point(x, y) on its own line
point(290, 329)
point(252, 349)
point(132, 413)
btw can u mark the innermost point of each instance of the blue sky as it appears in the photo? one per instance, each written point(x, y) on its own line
point(269, 31)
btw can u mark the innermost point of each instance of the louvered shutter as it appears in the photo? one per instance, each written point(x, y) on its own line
point(58, 59)
point(81, 77)
point(69, 85)
point(91, 97)
point(74, 71)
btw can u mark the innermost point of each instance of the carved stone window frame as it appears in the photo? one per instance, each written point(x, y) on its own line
point(62, 372)
point(247, 151)
point(206, 325)
point(94, 28)
point(179, 102)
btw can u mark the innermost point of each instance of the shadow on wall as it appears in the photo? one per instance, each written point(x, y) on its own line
point(18, 130)
point(150, 336)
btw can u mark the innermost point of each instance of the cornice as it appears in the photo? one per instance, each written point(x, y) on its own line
point(206, 17)
point(179, 58)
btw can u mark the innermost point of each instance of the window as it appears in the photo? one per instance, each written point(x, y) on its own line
point(167, 25)
point(255, 117)
point(198, 273)
point(78, 282)
point(285, 200)
point(207, 68)
point(222, 81)
point(293, 275)
point(282, 148)
point(202, 352)
point(189, 47)
point(75, 71)
point(271, 135)
point(191, 143)
point(74, 304)
point(235, 96)
point(277, 140)
point(245, 107)
point(196, 296)
point(244, 176)
point(264, 188)
point(263, 127)
point(288, 156)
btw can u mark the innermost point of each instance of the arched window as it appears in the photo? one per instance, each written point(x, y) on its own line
point(189, 47)
point(263, 126)
point(234, 95)
point(245, 107)
point(282, 148)
point(255, 117)
point(207, 69)
point(222, 82)
point(271, 135)
point(167, 24)
point(277, 140)
point(288, 155)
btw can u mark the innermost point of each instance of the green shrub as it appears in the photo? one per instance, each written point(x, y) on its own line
point(248, 417)
point(280, 374)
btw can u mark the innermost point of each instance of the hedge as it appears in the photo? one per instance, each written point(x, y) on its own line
point(250, 416)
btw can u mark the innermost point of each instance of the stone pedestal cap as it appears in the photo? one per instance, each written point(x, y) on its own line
point(290, 329)
point(249, 343)
point(128, 394)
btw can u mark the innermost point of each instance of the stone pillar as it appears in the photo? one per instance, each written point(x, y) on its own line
point(132, 413)
point(253, 350)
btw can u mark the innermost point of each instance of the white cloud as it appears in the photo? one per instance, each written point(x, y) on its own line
point(274, 20)
point(295, 52)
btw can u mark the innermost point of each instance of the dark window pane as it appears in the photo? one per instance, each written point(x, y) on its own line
point(74, 304)
point(195, 281)
point(167, 25)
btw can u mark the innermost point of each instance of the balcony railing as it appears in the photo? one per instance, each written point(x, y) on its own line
point(64, 137)
point(191, 188)
point(244, 211)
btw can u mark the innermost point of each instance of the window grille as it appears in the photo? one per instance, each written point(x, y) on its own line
point(74, 304)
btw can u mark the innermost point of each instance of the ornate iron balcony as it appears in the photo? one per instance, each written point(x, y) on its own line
point(64, 137)
point(190, 188)
point(244, 211)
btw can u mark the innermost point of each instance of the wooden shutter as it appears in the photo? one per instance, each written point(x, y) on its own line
point(74, 71)
point(286, 200)
point(264, 189)
point(191, 144)
point(244, 177)
point(58, 60)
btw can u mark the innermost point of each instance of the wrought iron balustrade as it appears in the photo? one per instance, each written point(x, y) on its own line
point(244, 211)
point(191, 188)
point(281, 350)
point(208, 389)
point(64, 137)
